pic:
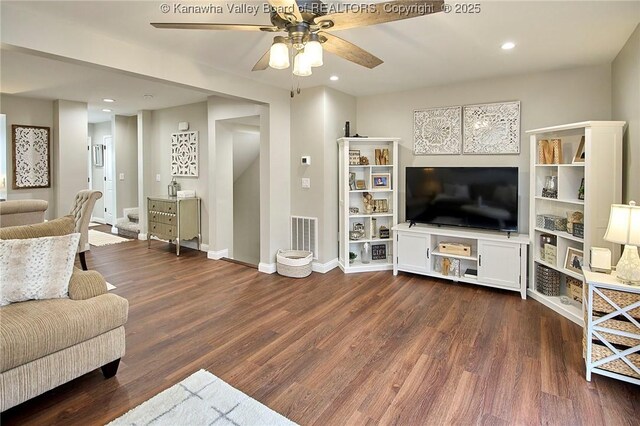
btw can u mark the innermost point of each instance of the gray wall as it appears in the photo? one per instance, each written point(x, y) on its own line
point(69, 152)
point(547, 99)
point(625, 73)
point(246, 214)
point(33, 112)
point(97, 132)
point(162, 124)
point(126, 150)
point(318, 116)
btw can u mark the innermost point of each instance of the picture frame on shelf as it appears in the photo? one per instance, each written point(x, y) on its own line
point(380, 180)
point(354, 157)
point(574, 260)
point(378, 251)
point(352, 180)
point(579, 157)
point(361, 184)
point(581, 190)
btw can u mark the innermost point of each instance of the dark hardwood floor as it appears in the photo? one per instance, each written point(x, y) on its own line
point(336, 349)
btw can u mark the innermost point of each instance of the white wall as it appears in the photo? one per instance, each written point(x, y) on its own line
point(69, 152)
point(318, 116)
point(126, 156)
point(625, 71)
point(157, 151)
point(33, 112)
point(547, 99)
point(246, 214)
point(97, 132)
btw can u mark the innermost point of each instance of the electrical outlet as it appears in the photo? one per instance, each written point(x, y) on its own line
point(121, 176)
point(158, 178)
point(306, 183)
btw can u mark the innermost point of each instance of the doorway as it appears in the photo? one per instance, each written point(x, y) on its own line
point(109, 167)
point(97, 165)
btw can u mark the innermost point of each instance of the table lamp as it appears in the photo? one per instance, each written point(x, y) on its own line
point(624, 228)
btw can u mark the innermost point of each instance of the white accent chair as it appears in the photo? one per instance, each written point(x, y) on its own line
point(81, 212)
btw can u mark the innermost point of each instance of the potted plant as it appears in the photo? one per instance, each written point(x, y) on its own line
point(352, 257)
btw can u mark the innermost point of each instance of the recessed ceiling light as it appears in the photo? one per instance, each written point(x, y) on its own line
point(108, 100)
point(148, 96)
point(334, 78)
point(508, 45)
point(106, 110)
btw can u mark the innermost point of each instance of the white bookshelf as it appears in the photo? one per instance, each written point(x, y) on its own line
point(602, 174)
point(354, 198)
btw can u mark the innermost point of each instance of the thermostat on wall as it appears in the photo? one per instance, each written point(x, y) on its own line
point(183, 125)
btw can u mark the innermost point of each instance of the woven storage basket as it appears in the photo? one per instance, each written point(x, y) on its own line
point(599, 351)
point(547, 281)
point(294, 263)
point(620, 298)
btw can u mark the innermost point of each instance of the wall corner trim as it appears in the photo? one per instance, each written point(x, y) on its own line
point(217, 255)
point(267, 268)
point(323, 268)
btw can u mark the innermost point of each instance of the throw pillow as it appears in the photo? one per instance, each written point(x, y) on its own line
point(36, 268)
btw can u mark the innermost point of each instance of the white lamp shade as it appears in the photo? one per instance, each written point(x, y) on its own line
point(279, 56)
point(313, 49)
point(301, 65)
point(624, 224)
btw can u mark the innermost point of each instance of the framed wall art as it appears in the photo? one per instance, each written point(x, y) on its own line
point(98, 155)
point(184, 154)
point(491, 128)
point(437, 131)
point(31, 148)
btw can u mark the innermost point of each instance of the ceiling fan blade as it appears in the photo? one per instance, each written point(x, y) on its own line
point(380, 13)
point(263, 63)
point(287, 8)
point(208, 26)
point(349, 51)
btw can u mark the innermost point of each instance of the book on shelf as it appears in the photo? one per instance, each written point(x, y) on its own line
point(471, 273)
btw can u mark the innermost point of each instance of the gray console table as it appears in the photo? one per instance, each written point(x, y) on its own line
point(173, 219)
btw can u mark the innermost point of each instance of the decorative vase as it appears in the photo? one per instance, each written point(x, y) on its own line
point(173, 188)
point(365, 253)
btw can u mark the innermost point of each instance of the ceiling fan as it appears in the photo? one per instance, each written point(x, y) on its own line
point(308, 23)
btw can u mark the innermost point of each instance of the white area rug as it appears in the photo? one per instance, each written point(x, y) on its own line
point(97, 238)
point(92, 224)
point(201, 399)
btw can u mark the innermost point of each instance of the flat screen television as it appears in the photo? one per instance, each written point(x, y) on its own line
point(474, 197)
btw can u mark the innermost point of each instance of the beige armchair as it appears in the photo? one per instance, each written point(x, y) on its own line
point(81, 212)
point(22, 212)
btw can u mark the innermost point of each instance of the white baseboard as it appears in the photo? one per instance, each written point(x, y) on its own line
point(323, 268)
point(217, 255)
point(98, 220)
point(204, 248)
point(267, 268)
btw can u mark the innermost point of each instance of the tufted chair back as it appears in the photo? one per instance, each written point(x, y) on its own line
point(81, 212)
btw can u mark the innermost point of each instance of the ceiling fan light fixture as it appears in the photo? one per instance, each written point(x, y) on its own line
point(313, 49)
point(279, 54)
point(302, 64)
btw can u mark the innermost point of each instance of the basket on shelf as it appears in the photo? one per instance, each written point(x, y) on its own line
point(598, 349)
point(547, 281)
point(294, 263)
point(575, 289)
point(551, 222)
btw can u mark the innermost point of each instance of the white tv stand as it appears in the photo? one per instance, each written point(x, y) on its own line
point(500, 259)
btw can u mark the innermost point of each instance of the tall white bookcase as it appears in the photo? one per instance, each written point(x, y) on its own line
point(353, 198)
point(601, 171)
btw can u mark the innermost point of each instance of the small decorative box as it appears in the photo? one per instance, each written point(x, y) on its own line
point(384, 232)
point(554, 223)
point(575, 289)
point(578, 230)
point(540, 221)
point(547, 281)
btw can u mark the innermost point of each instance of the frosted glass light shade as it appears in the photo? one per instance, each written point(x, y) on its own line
point(313, 49)
point(301, 65)
point(624, 224)
point(279, 56)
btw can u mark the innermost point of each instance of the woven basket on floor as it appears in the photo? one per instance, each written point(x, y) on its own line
point(294, 263)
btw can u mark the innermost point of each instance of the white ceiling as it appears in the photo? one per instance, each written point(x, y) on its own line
point(426, 51)
point(38, 77)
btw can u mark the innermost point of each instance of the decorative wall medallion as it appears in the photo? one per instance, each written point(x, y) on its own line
point(492, 128)
point(437, 131)
point(184, 154)
point(31, 155)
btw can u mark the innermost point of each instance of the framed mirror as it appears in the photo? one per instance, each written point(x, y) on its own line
point(98, 155)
